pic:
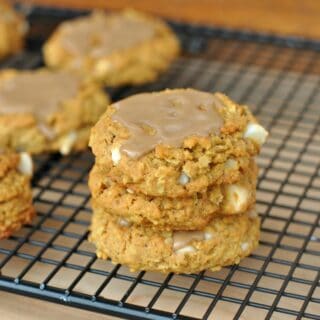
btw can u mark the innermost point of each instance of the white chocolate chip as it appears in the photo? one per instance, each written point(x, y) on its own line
point(187, 249)
point(124, 222)
point(256, 132)
point(183, 238)
point(115, 156)
point(103, 66)
point(208, 235)
point(236, 198)
point(67, 143)
point(130, 190)
point(25, 165)
point(244, 246)
point(184, 179)
point(231, 164)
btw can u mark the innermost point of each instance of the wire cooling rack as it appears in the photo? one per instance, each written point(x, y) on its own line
point(51, 259)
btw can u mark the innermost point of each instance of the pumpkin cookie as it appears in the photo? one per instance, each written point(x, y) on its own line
point(224, 241)
point(13, 29)
point(176, 143)
point(16, 206)
point(186, 213)
point(116, 48)
point(47, 111)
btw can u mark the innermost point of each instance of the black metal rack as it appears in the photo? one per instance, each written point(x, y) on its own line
point(279, 78)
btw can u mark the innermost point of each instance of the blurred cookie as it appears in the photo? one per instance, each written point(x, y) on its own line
point(13, 29)
point(176, 143)
point(224, 241)
point(47, 111)
point(16, 207)
point(122, 48)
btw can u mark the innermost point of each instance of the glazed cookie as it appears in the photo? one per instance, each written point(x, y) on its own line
point(16, 206)
point(188, 213)
point(117, 49)
point(47, 111)
point(13, 29)
point(176, 143)
point(225, 241)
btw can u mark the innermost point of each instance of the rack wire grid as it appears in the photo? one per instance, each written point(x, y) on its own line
point(51, 259)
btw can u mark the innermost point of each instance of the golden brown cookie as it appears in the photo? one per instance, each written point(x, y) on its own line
point(47, 111)
point(13, 221)
point(187, 213)
point(16, 206)
point(117, 49)
point(13, 29)
point(8, 161)
point(12, 185)
point(175, 143)
point(225, 241)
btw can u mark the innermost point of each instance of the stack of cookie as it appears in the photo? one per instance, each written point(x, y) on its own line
point(173, 185)
point(16, 206)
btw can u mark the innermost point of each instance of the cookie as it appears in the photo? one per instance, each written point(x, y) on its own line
point(12, 185)
point(187, 213)
point(8, 161)
point(12, 222)
point(224, 241)
point(176, 143)
point(13, 29)
point(16, 207)
point(116, 49)
point(47, 111)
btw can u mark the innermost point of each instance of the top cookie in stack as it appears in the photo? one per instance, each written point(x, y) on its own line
point(177, 142)
point(174, 161)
